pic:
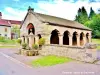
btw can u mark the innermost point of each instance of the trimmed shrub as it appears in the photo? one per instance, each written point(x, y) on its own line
point(35, 46)
point(24, 45)
point(19, 41)
point(41, 41)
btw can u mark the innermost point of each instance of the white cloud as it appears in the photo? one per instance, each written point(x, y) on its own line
point(14, 14)
point(62, 9)
point(66, 9)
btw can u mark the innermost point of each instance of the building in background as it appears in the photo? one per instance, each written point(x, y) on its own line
point(9, 28)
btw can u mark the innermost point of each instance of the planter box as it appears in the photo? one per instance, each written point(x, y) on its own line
point(26, 52)
point(22, 51)
point(29, 52)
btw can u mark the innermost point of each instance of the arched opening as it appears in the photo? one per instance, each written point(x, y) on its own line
point(66, 38)
point(30, 28)
point(54, 37)
point(81, 39)
point(74, 38)
point(87, 37)
point(39, 36)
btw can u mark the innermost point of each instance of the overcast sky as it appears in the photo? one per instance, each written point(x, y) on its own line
point(17, 9)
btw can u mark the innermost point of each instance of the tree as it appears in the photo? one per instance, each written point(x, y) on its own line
point(15, 29)
point(92, 13)
point(78, 15)
point(82, 16)
point(94, 24)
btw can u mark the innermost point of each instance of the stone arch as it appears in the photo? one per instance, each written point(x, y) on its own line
point(39, 35)
point(74, 39)
point(81, 39)
point(31, 28)
point(66, 38)
point(87, 37)
point(54, 39)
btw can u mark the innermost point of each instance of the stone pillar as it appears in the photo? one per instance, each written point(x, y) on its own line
point(89, 38)
point(22, 38)
point(70, 40)
point(37, 40)
point(84, 39)
point(26, 39)
point(60, 39)
point(31, 40)
point(78, 39)
point(48, 38)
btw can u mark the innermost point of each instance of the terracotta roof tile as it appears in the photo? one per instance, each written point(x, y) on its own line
point(4, 22)
point(8, 22)
point(15, 22)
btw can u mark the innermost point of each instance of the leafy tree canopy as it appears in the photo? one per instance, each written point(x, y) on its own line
point(92, 21)
point(94, 24)
point(82, 16)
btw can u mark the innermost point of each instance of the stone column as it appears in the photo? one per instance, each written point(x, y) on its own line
point(84, 39)
point(22, 38)
point(70, 40)
point(31, 40)
point(37, 39)
point(48, 38)
point(78, 39)
point(26, 39)
point(89, 38)
point(60, 39)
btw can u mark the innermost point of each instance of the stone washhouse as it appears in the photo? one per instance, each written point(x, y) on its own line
point(63, 37)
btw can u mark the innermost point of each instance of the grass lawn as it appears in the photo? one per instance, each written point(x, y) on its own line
point(7, 43)
point(96, 41)
point(49, 61)
point(6, 46)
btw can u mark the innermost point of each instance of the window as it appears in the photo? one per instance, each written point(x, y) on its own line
point(5, 29)
point(5, 35)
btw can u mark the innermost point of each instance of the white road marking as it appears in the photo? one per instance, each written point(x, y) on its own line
point(16, 61)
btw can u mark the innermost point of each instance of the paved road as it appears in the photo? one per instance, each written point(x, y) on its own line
point(10, 66)
point(98, 54)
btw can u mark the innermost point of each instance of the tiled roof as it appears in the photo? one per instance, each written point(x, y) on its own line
point(52, 20)
point(8, 22)
point(60, 21)
point(15, 22)
point(4, 22)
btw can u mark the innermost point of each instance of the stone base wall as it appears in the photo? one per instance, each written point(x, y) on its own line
point(77, 53)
